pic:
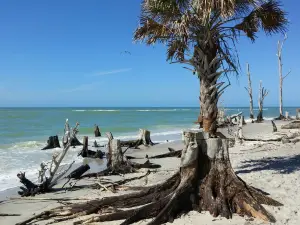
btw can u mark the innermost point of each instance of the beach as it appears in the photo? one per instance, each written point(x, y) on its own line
point(272, 167)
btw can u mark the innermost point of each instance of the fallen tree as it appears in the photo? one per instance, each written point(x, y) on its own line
point(144, 139)
point(48, 182)
point(205, 182)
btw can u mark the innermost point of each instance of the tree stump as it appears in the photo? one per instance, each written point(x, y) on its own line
point(52, 142)
point(144, 139)
point(97, 131)
point(297, 114)
point(85, 152)
point(274, 126)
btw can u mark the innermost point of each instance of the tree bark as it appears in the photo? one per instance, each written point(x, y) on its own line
point(52, 142)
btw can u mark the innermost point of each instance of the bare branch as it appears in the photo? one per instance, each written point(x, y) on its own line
point(286, 75)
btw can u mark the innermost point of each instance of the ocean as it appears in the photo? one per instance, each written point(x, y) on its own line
point(24, 131)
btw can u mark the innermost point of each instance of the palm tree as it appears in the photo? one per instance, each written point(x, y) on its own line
point(203, 33)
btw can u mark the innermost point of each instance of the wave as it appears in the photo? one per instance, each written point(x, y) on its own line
point(161, 110)
point(27, 144)
point(96, 110)
point(128, 110)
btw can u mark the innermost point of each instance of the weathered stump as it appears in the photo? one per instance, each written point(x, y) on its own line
point(259, 118)
point(144, 139)
point(205, 182)
point(85, 152)
point(97, 131)
point(52, 142)
point(274, 126)
point(298, 114)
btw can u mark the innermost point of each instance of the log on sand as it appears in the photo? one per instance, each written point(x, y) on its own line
point(205, 182)
point(292, 125)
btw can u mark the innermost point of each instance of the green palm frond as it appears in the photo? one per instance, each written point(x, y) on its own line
point(210, 26)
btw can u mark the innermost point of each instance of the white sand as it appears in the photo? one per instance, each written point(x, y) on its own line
point(271, 167)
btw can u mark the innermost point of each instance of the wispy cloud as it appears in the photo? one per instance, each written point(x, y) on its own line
point(112, 72)
point(83, 87)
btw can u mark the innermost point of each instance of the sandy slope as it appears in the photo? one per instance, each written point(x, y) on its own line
point(271, 167)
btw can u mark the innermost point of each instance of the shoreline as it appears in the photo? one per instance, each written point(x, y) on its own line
point(271, 167)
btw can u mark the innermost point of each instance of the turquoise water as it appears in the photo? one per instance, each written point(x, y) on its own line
point(24, 131)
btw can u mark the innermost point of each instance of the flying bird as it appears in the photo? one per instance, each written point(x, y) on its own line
point(126, 52)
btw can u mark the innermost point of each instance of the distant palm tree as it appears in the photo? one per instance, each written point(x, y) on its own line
point(203, 33)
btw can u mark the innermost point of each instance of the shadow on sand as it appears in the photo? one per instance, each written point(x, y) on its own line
point(284, 165)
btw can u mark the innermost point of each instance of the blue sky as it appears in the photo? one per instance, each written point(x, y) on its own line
point(67, 53)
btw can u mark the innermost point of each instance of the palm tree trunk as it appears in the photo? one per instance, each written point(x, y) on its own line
point(208, 104)
point(207, 65)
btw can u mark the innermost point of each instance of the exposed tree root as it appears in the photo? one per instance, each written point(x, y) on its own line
point(206, 181)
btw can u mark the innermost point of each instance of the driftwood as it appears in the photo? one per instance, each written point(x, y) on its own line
point(49, 182)
point(52, 142)
point(286, 138)
point(77, 173)
point(7, 214)
point(172, 153)
point(292, 125)
point(144, 139)
point(205, 182)
point(85, 152)
point(274, 126)
point(97, 131)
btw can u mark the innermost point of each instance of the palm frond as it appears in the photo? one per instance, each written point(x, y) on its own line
point(272, 17)
point(267, 16)
point(176, 49)
point(151, 31)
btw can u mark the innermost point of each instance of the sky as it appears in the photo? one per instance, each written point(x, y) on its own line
point(72, 53)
